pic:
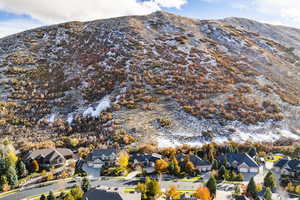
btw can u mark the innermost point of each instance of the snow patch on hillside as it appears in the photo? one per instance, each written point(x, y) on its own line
point(103, 104)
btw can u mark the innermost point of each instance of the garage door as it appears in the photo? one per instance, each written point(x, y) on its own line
point(243, 169)
point(253, 170)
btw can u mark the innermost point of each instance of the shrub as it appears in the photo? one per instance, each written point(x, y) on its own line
point(165, 123)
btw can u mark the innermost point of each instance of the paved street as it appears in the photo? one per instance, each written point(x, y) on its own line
point(109, 183)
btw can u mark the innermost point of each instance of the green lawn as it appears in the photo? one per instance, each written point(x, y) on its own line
point(37, 197)
point(192, 179)
point(275, 158)
point(3, 194)
point(129, 189)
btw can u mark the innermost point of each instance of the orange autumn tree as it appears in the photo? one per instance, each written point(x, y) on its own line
point(161, 166)
point(203, 193)
point(173, 193)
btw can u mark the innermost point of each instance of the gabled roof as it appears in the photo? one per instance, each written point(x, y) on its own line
point(180, 157)
point(102, 194)
point(196, 160)
point(241, 197)
point(239, 158)
point(54, 155)
point(281, 163)
point(293, 165)
point(95, 194)
point(145, 157)
point(105, 152)
point(49, 154)
point(98, 153)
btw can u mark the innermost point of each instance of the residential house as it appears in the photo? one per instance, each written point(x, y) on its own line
point(201, 165)
point(286, 166)
point(50, 157)
point(147, 161)
point(110, 194)
point(101, 157)
point(240, 161)
point(240, 197)
point(184, 197)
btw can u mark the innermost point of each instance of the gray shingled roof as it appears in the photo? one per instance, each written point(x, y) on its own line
point(99, 152)
point(49, 153)
point(239, 158)
point(281, 163)
point(102, 194)
point(196, 160)
point(294, 165)
point(144, 157)
point(96, 194)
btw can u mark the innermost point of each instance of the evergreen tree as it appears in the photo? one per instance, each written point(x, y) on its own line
point(86, 185)
point(21, 169)
point(222, 172)
point(212, 185)
point(174, 167)
point(12, 177)
point(51, 196)
point(252, 152)
point(3, 165)
point(225, 162)
point(268, 194)
point(43, 197)
point(3, 181)
point(215, 165)
point(251, 189)
point(269, 180)
point(237, 190)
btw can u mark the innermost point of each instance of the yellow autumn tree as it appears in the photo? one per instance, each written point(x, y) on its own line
point(297, 189)
point(259, 188)
point(290, 187)
point(50, 176)
point(161, 166)
point(123, 159)
point(203, 193)
point(189, 167)
point(173, 193)
point(12, 159)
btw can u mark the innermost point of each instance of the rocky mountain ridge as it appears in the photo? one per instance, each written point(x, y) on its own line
point(160, 78)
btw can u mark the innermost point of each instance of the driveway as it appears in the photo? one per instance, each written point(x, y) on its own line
point(91, 171)
point(223, 195)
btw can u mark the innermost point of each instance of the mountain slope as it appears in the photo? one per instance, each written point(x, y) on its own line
point(160, 78)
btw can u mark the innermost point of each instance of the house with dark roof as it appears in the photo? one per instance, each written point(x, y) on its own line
point(201, 165)
point(286, 166)
point(147, 161)
point(240, 197)
point(240, 161)
point(101, 157)
point(50, 157)
point(110, 194)
point(184, 197)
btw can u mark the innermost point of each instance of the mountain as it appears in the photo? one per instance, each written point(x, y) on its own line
point(160, 78)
